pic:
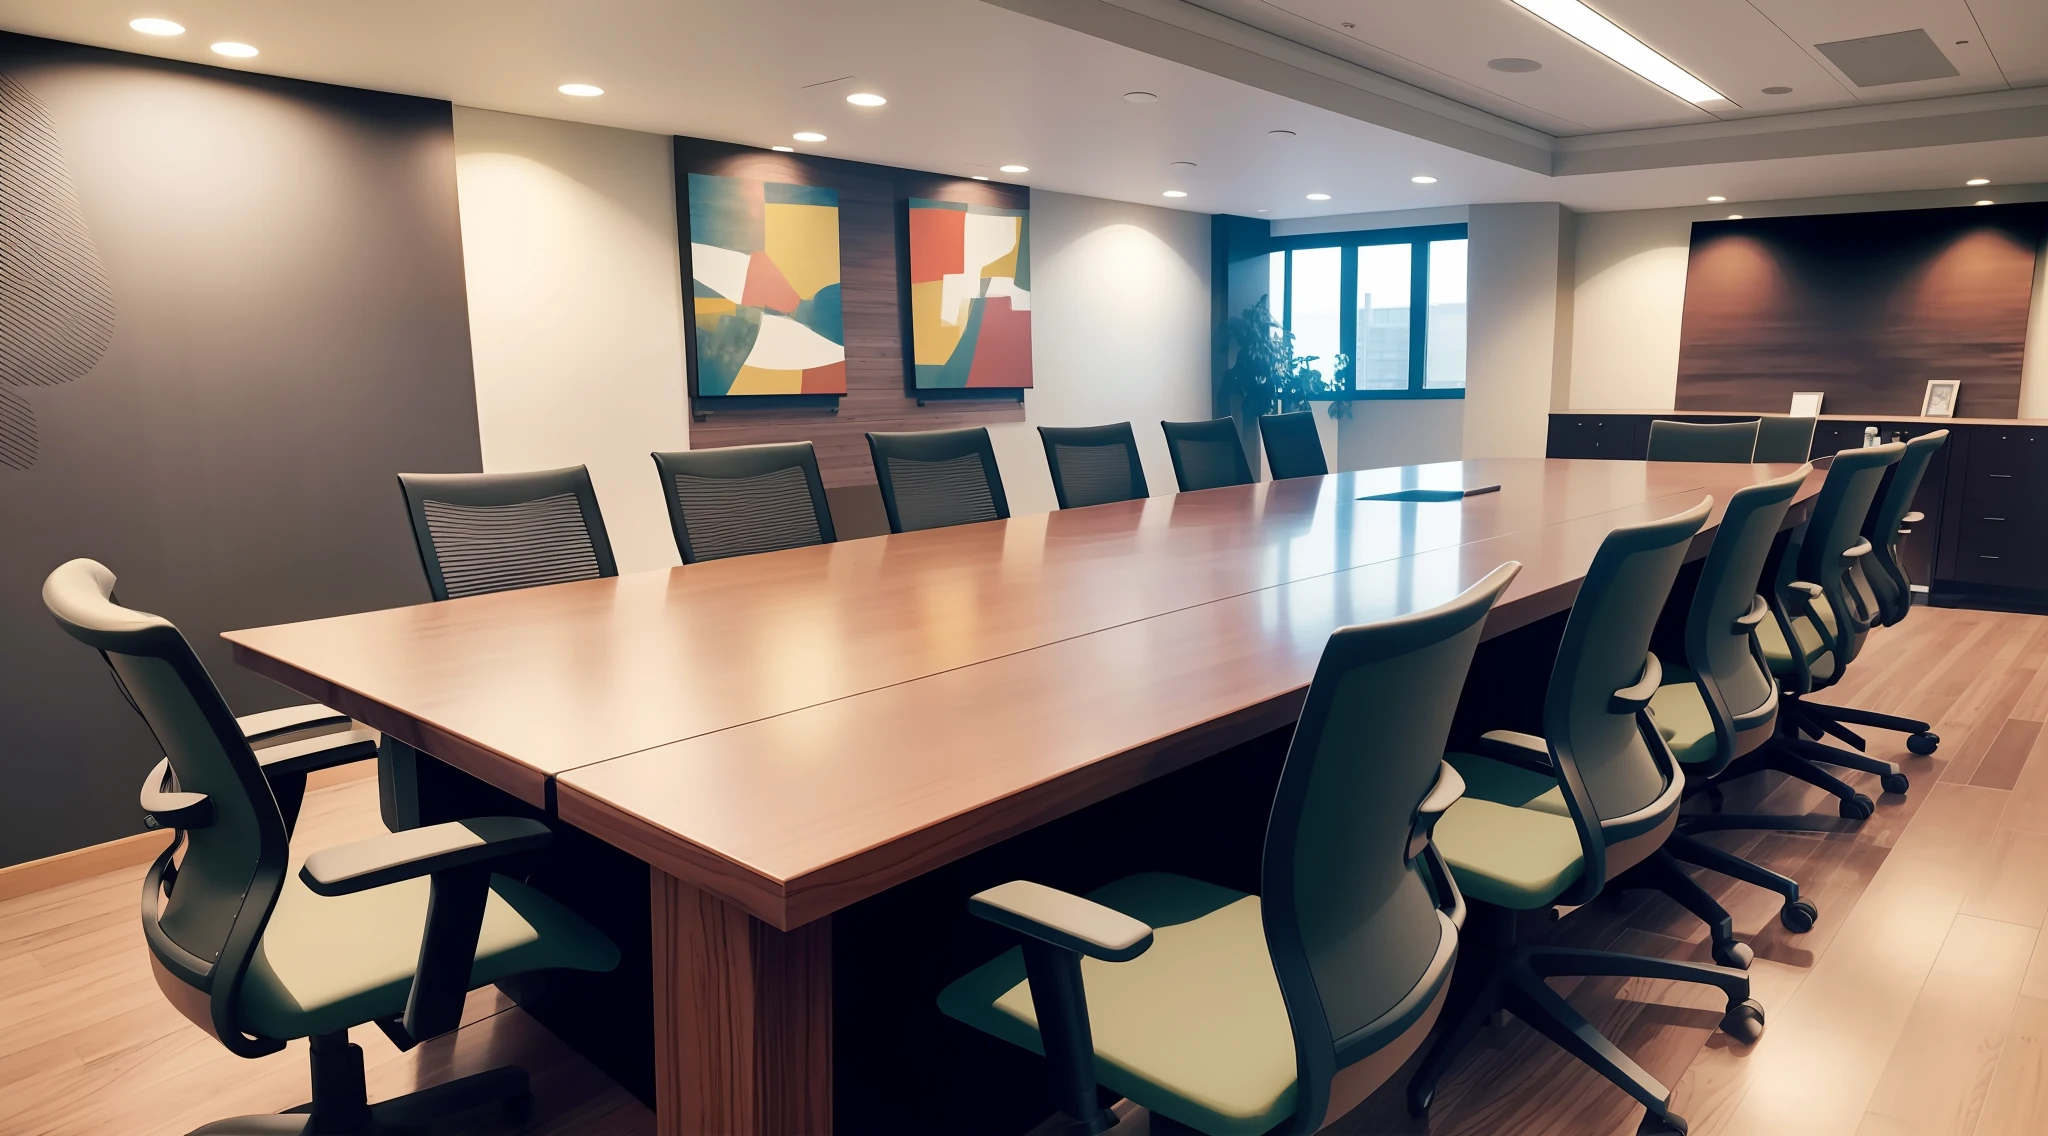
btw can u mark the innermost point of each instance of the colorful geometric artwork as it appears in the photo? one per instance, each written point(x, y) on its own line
point(970, 295)
point(764, 262)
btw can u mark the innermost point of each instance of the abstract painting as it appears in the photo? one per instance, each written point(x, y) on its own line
point(764, 262)
point(970, 295)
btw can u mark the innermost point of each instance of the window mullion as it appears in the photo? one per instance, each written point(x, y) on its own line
point(1347, 319)
point(1418, 314)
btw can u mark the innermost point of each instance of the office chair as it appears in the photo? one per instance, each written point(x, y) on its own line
point(394, 930)
point(934, 478)
point(492, 532)
point(1672, 441)
point(1093, 465)
point(1228, 1013)
point(739, 500)
point(1551, 821)
point(1293, 448)
point(1882, 569)
point(1723, 705)
point(1784, 439)
point(1206, 455)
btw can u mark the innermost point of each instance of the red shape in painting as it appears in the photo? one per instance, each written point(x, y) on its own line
point(1002, 352)
point(938, 244)
point(828, 379)
point(767, 287)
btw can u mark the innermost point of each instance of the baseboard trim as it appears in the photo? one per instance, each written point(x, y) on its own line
point(18, 880)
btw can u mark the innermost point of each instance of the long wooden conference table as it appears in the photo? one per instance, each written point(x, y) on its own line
point(779, 737)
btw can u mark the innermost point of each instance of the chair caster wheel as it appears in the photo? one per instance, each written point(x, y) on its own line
point(1858, 807)
point(1418, 1103)
point(1745, 1023)
point(1799, 916)
point(1733, 954)
point(1664, 1124)
point(1924, 744)
point(1895, 783)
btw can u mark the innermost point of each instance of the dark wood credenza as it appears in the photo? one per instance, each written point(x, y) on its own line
point(1984, 539)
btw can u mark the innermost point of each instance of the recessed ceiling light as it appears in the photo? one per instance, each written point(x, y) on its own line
point(1280, 133)
point(1777, 90)
point(980, 177)
point(783, 149)
point(1987, 201)
point(1015, 169)
point(580, 90)
point(150, 25)
point(1265, 210)
point(1602, 35)
point(1423, 179)
point(1978, 181)
point(234, 50)
point(1717, 198)
point(1180, 165)
point(1140, 97)
point(1175, 193)
point(808, 136)
point(1514, 65)
point(865, 99)
point(1318, 197)
point(1735, 216)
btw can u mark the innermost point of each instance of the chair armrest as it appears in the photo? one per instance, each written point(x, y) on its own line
point(322, 752)
point(1063, 919)
point(1631, 699)
point(289, 720)
point(1515, 748)
point(349, 868)
point(1912, 519)
point(1442, 795)
point(1860, 548)
point(1748, 620)
point(165, 807)
point(1807, 588)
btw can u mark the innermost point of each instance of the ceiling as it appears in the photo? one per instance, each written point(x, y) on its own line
point(973, 86)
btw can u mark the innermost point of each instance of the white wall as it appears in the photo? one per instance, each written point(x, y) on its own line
point(1517, 337)
point(576, 309)
point(1629, 295)
point(1119, 331)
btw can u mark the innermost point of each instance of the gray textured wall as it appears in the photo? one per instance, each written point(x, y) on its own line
point(282, 266)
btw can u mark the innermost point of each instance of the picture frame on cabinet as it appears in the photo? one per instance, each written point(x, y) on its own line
point(1940, 399)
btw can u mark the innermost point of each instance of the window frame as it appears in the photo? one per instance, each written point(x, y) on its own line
point(1418, 238)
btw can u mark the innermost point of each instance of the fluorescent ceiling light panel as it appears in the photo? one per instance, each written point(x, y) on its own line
point(1599, 33)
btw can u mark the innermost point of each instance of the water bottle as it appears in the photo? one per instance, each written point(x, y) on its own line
point(1870, 437)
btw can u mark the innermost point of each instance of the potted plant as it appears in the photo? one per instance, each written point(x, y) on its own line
point(1264, 372)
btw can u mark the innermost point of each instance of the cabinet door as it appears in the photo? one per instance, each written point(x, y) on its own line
point(2004, 508)
point(1589, 436)
point(1831, 438)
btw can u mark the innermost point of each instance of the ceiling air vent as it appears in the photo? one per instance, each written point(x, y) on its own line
point(1901, 57)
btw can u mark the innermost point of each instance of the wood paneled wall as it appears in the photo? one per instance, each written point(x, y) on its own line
point(874, 293)
point(1865, 306)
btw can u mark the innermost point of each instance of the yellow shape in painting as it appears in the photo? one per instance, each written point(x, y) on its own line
point(931, 333)
point(710, 309)
point(803, 241)
point(1006, 264)
point(759, 380)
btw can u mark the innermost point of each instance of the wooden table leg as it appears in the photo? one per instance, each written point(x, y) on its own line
point(743, 1019)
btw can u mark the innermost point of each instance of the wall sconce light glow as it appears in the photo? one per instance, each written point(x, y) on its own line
point(865, 99)
point(783, 149)
point(1987, 201)
point(808, 136)
point(1013, 169)
point(234, 50)
point(1972, 181)
point(1423, 179)
point(1716, 199)
point(580, 90)
point(1601, 34)
point(150, 25)
point(1175, 193)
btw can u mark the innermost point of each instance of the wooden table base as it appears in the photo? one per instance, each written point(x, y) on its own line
point(743, 1019)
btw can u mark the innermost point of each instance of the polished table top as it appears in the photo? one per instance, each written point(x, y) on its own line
point(798, 730)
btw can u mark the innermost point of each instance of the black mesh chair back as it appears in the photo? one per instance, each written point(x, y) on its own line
point(1093, 465)
point(1784, 439)
point(1833, 545)
point(740, 500)
point(493, 532)
point(934, 478)
point(1293, 448)
point(1620, 782)
point(1885, 573)
point(1360, 912)
point(1672, 441)
point(1206, 455)
point(235, 851)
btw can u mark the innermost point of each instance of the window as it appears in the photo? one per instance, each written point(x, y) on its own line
point(1352, 296)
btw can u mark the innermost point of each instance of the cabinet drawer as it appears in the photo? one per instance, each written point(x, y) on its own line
point(1998, 549)
point(1998, 453)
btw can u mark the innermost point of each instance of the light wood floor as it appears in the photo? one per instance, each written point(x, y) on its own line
point(1918, 1006)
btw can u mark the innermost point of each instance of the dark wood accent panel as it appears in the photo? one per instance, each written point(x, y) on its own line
point(742, 1019)
point(874, 297)
point(1865, 306)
